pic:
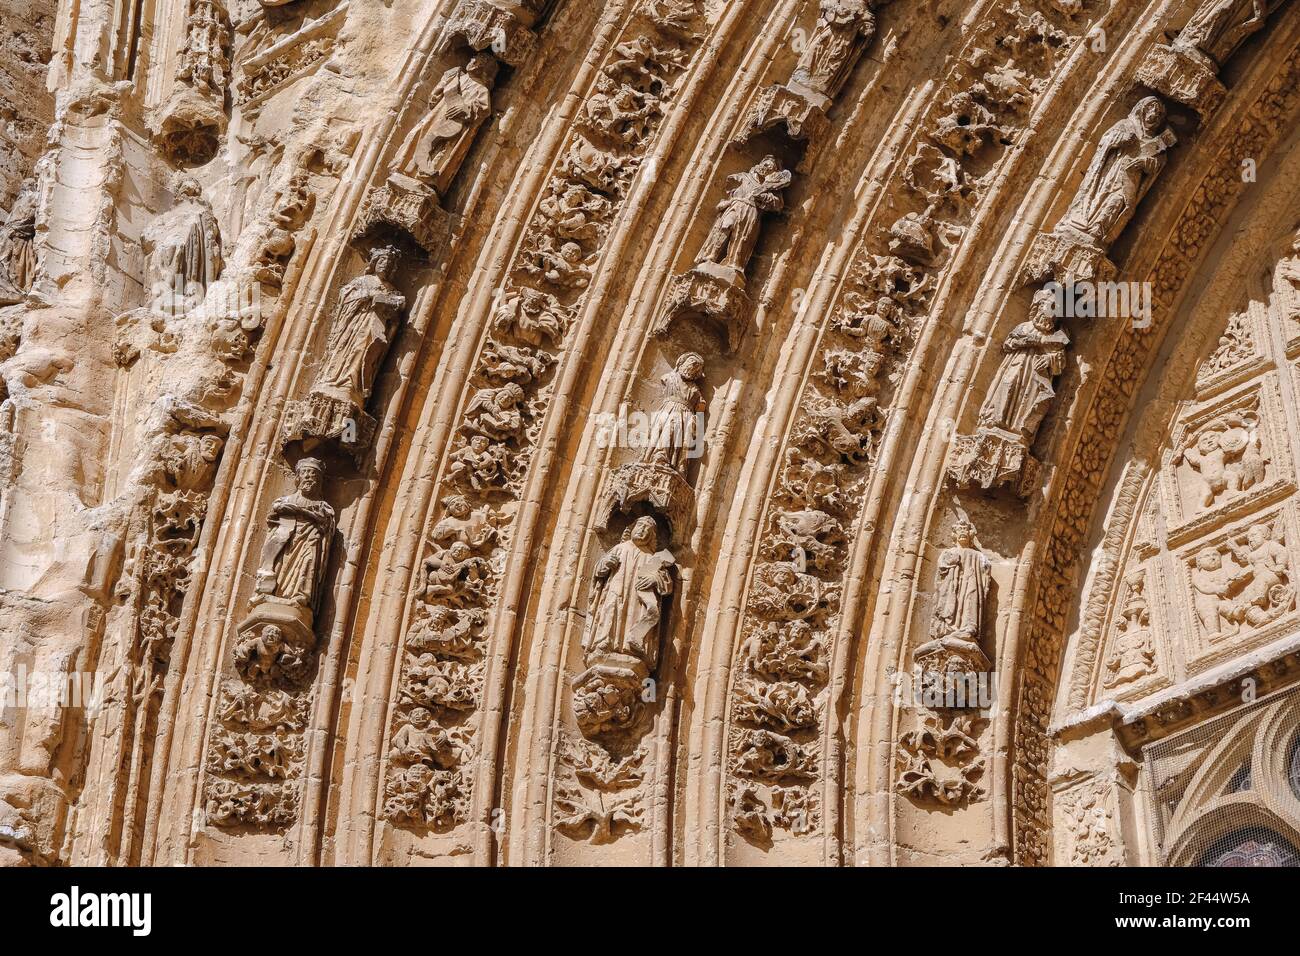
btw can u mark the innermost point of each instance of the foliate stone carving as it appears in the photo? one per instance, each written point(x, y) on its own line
point(621, 640)
point(598, 796)
point(17, 247)
point(715, 288)
point(501, 26)
point(1091, 836)
point(939, 763)
point(365, 320)
point(659, 476)
point(190, 124)
point(1132, 653)
point(1236, 347)
point(1128, 158)
point(271, 68)
point(1017, 401)
point(1187, 70)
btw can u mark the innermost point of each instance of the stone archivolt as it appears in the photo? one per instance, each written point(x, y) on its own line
point(312, 325)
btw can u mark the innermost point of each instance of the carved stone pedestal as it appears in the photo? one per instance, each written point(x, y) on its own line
point(1067, 257)
point(189, 127)
point(274, 643)
point(661, 486)
point(713, 292)
point(321, 419)
point(408, 206)
point(607, 695)
point(1187, 76)
point(800, 110)
point(500, 27)
point(950, 657)
point(991, 458)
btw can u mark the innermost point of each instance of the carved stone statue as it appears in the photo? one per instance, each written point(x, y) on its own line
point(184, 246)
point(17, 254)
point(203, 61)
point(1017, 401)
point(1132, 655)
point(1218, 27)
point(1224, 458)
point(1128, 158)
point(843, 30)
point(368, 310)
point(460, 103)
point(961, 588)
point(674, 428)
point(735, 231)
point(300, 529)
point(620, 643)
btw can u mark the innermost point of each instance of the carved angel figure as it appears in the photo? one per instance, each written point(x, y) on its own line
point(364, 321)
point(17, 253)
point(675, 425)
point(495, 412)
point(1022, 389)
point(735, 231)
point(300, 530)
point(626, 606)
point(961, 588)
point(1129, 157)
point(460, 103)
point(1225, 457)
point(844, 28)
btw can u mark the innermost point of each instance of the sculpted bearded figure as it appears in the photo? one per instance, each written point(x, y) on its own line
point(844, 28)
point(674, 429)
point(731, 240)
point(1023, 387)
point(300, 528)
point(626, 606)
point(1129, 157)
point(367, 314)
point(17, 254)
point(460, 103)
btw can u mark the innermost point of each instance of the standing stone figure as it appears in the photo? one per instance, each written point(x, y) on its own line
point(625, 602)
point(1023, 387)
point(735, 231)
point(844, 28)
point(674, 429)
point(1218, 27)
point(458, 106)
point(300, 528)
point(368, 310)
point(17, 254)
point(961, 589)
point(185, 251)
point(1129, 157)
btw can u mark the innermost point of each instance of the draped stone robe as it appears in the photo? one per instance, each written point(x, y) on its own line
point(364, 321)
point(626, 609)
point(296, 549)
point(1023, 386)
point(961, 590)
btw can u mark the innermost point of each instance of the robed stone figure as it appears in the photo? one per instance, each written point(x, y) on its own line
point(185, 253)
point(735, 231)
point(460, 103)
point(300, 529)
point(365, 319)
point(626, 605)
point(843, 30)
point(961, 589)
point(17, 251)
point(1129, 157)
point(1218, 27)
point(674, 427)
point(1023, 388)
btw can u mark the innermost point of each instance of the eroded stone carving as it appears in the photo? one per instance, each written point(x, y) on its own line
point(458, 105)
point(192, 121)
point(1249, 590)
point(17, 248)
point(1018, 399)
point(598, 795)
point(1132, 655)
point(1128, 158)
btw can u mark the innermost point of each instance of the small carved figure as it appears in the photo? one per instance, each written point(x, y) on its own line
point(626, 600)
point(184, 247)
point(480, 465)
point(1023, 387)
point(495, 412)
point(843, 30)
point(1132, 654)
point(300, 531)
point(676, 422)
point(1218, 27)
point(17, 250)
point(735, 230)
point(365, 318)
point(459, 104)
point(961, 588)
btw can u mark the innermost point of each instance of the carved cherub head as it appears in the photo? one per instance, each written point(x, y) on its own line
point(508, 396)
point(1209, 559)
point(1207, 441)
point(1256, 536)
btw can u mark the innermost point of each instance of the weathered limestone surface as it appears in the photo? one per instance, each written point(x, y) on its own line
point(669, 432)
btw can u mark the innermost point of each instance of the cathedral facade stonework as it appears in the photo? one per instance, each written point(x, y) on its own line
point(655, 432)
